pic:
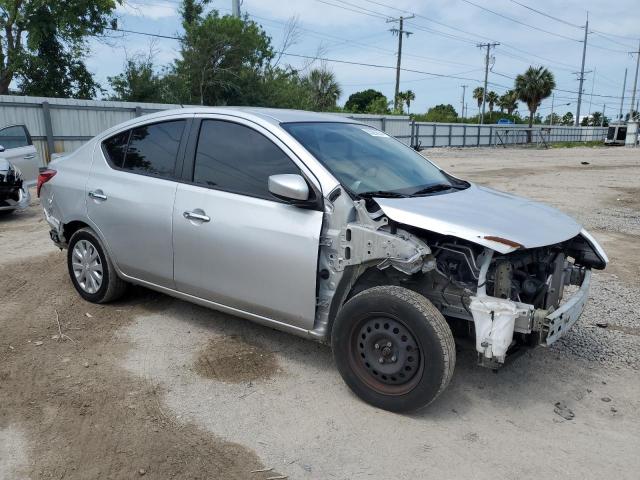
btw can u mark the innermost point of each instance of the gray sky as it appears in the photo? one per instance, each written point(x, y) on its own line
point(445, 34)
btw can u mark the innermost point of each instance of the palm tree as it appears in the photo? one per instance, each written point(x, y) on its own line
point(400, 99)
point(532, 87)
point(478, 93)
point(323, 89)
point(492, 99)
point(508, 102)
point(409, 97)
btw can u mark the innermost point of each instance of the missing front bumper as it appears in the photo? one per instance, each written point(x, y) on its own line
point(497, 319)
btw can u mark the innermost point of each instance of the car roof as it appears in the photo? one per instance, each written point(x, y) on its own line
point(275, 116)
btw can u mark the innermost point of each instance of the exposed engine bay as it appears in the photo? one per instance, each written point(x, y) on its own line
point(504, 299)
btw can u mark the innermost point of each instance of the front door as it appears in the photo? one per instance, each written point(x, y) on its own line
point(236, 244)
point(18, 149)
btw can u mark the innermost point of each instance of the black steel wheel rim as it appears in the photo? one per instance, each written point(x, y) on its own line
point(385, 354)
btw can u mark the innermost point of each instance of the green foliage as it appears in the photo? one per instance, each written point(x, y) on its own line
point(553, 119)
point(508, 101)
point(379, 106)
point(43, 44)
point(594, 120)
point(567, 119)
point(323, 89)
point(405, 97)
point(138, 83)
point(533, 86)
point(222, 60)
point(440, 113)
point(477, 94)
point(492, 99)
point(359, 102)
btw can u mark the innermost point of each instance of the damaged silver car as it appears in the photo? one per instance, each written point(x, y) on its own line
point(325, 228)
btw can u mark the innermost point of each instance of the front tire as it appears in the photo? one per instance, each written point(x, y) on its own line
point(393, 348)
point(91, 270)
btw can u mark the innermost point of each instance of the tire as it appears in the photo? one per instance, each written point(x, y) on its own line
point(393, 348)
point(90, 285)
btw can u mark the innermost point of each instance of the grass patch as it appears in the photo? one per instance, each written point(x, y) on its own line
point(592, 143)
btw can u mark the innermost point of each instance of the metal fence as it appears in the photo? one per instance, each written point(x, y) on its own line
point(62, 125)
point(429, 135)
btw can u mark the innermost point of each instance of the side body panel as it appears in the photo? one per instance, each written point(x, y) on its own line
point(253, 255)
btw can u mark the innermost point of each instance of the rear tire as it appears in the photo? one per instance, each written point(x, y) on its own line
point(393, 348)
point(91, 270)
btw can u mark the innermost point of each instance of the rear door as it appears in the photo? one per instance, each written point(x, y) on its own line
point(20, 151)
point(247, 250)
point(130, 195)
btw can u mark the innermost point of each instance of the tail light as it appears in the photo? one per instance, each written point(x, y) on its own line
point(44, 176)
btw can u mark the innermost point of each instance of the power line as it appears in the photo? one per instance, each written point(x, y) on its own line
point(546, 15)
point(519, 22)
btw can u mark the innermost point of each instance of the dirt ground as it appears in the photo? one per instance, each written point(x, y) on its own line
point(152, 387)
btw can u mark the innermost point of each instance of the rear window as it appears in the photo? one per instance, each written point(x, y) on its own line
point(115, 147)
point(153, 149)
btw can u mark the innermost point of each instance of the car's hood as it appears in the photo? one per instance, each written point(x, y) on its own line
point(4, 165)
point(478, 213)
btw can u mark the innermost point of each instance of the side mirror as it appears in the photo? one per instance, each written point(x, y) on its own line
point(289, 186)
point(2, 149)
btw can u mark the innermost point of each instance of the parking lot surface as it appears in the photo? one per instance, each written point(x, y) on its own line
point(158, 388)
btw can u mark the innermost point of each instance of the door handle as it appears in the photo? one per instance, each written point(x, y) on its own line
point(30, 156)
point(202, 217)
point(97, 195)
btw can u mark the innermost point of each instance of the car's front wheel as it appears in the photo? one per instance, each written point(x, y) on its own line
point(91, 270)
point(393, 348)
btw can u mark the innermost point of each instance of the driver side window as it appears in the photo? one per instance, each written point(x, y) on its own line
point(238, 159)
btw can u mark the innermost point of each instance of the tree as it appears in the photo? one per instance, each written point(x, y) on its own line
point(358, 102)
point(441, 113)
point(508, 101)
point(406, 97)
point(223, 59)
point(324, 89)
point(45, 42)
point(567, 119)
point(553, 119)
point(532, 87)
point(478, 93)
point(378, 106)
point(492, 99)
point(56, 71)
point(139, 82)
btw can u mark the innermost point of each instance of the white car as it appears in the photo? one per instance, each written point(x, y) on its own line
point(19, 164)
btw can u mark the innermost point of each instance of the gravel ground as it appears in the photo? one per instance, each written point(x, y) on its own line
point(158, 388)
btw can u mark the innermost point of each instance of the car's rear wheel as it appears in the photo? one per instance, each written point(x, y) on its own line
point(91, 270)
point(393, 348)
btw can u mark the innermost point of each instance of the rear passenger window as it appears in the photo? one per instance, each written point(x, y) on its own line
point(238, 159)
point(153, 149)
point(115, 147)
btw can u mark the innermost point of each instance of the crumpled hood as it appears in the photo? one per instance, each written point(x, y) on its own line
point(479, 212)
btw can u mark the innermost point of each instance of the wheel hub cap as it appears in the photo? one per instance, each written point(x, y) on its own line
point(87, 266)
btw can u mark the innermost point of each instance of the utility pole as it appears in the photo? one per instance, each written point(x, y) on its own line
point(235, 8)
point(464, 88)
point(553, 97)
point(604, 108)
point(584, 55)
point(593, 83)
point(635, 83)
point(486, 75)
point(624, 86)
point(400, 31)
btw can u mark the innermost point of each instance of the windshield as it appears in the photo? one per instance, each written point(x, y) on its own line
point(368, 161)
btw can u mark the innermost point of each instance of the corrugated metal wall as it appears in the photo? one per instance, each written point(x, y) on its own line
point(61, 125)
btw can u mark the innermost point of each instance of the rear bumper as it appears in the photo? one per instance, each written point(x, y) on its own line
point(24, 197)
point(557, 323)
